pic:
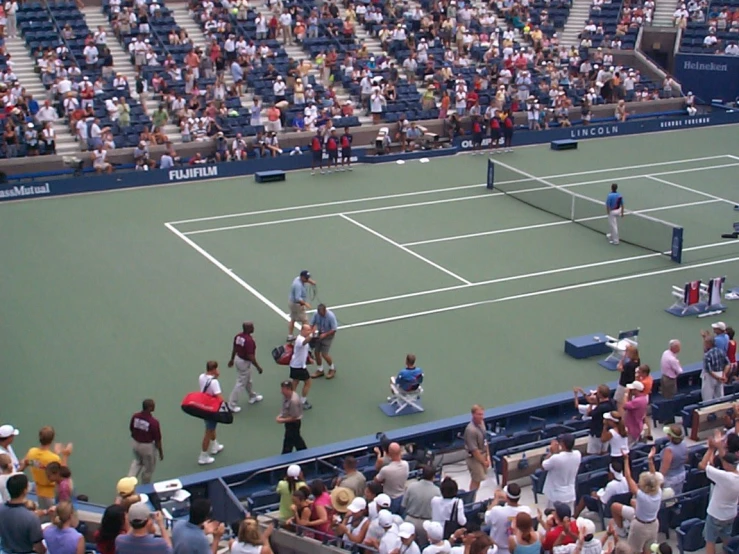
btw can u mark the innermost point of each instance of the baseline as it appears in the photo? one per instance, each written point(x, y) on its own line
point(447, 200)
point(404, 249)
point(435, 191)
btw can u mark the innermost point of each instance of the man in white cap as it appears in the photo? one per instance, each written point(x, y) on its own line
point(7, 435)
point(407, 534)
point(715, 368)
point(720, 338)
point(375, 531)
point(635, 410)
point(499, 516)
point(584, 542)
point(435, 533)
point(390, 539)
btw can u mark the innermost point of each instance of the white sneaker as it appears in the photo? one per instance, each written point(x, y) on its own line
point(608, 236)
point(350, 169)
point(256, 398)
point(215, 447)
point(234, 408)
point(204, 459)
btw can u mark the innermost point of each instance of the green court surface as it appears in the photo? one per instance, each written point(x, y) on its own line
point(114, 297)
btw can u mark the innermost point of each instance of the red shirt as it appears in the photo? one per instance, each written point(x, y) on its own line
point(144, 428)
point(316, 144)
point(554, 534)
point(244, 346)
point(476, 127)
point(346, 141)
point(331, 144)
point(731, 352)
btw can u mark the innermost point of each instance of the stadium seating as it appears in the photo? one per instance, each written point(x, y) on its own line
point(42, 28)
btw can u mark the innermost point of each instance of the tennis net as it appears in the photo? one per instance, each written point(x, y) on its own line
point(637, 229)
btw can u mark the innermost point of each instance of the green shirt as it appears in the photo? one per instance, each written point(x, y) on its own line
point(286, 498)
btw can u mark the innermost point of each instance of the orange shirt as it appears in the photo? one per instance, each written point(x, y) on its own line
point(648, 383)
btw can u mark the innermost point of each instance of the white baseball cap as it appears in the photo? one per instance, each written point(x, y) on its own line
point(357, 505)
point(636, 385)
point(719, 325)
point(383, 501)
point(7, 431)
point(434, 530)
point(406, 530)
point(293, 471)
point(385, 519)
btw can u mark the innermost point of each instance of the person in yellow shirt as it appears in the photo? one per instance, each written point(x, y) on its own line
point(286, 488)
point(38, 458)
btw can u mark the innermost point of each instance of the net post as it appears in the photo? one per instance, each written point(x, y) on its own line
point(572, 208)
point(491, 174)
point(676, 252)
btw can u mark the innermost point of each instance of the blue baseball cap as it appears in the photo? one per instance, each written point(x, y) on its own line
point(305, 273)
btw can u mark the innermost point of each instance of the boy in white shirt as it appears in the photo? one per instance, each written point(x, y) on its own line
point(208, 383)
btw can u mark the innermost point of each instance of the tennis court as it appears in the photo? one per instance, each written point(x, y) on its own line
point(113, 297)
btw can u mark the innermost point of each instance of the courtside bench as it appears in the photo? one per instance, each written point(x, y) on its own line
point(707, 416)
point(270, 176)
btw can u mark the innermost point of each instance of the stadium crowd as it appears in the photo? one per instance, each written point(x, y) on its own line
point(397, 504)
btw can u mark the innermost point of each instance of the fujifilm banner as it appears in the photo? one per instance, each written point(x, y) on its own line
point(206, 172)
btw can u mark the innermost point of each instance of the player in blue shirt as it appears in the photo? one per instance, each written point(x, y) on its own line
point(614, 209)
point(325, 324)
point(410, 376)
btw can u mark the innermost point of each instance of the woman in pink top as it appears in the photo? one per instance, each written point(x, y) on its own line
point(320, 515)
point(635, 410)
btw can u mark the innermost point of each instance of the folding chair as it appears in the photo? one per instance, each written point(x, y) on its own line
point(618, 346)
point(402, 399)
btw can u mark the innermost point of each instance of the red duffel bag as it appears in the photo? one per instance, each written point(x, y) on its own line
point(205, 406)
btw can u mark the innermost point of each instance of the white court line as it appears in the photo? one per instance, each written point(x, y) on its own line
point(537, 293)
point(552, 224)
point(404, 249)
point(212, 259)
point(445, 201)
point(543, 273)
point(694, 191)
point(435, 191)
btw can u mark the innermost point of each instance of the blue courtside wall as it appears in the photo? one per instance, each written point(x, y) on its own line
point(708, 77)
point(63, 186)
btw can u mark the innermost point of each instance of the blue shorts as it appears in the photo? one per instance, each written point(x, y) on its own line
point(716, 529)
point(317, 155)
point(210, 425)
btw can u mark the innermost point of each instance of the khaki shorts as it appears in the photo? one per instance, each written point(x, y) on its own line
point(324, 345)
point(297, 312)
point(477, 470)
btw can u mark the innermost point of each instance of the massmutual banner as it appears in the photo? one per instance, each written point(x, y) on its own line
point(708, 77)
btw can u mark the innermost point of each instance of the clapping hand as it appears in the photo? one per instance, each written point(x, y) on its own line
point(652, 453)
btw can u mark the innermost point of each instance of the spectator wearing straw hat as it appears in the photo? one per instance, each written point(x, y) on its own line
point(7, 436)
point(674, 458)
point(715, 368)
point(502, 510)
point(614, 210)
point(341, 498)
point(670, 368)
point(417, 501)
point(562, 465)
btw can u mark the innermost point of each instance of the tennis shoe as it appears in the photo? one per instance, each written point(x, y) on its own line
point(234, 408)
point(256, 398)
point(307, 405)
point(331, 374)
point(322, 172)
point(215, 447)
point(350, 168)
point(317, 375)
point(312, 172)
point(204, 459)
point(329, 171)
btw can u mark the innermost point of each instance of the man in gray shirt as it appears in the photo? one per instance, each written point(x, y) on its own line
point(352, 479)
point(291, 417)
point(20, 529)
point(417, 502)
point(393, 475)
point(476, 445)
